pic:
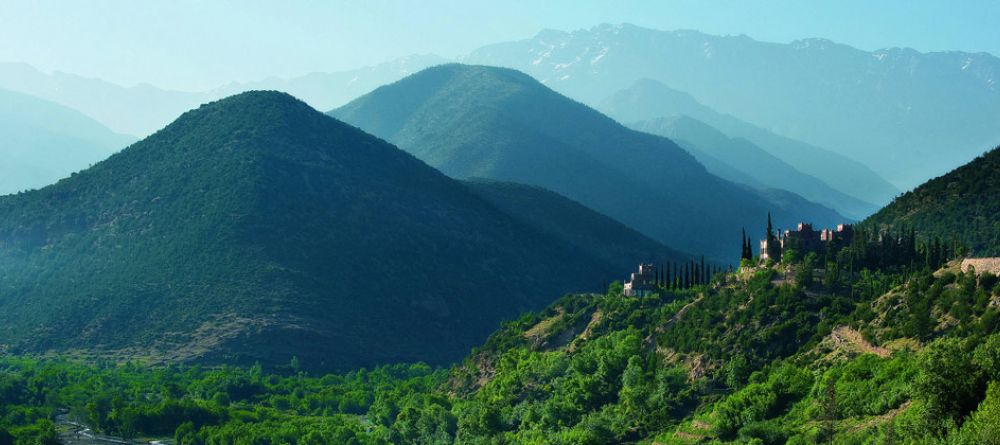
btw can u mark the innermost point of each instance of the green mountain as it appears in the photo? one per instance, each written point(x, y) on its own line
point(962, 205)
point(810, 352)
point(44, 142)
point(558, 217)
point(648, 100)
point(742, 161)
point(477, 121)
point(257, 229)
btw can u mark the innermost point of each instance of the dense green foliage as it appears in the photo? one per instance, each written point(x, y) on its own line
point(963, 205)
point(500, 124)
point(759, 356)
point(196, 405)
point(257, 229)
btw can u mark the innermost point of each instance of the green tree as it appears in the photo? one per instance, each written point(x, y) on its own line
point(804, 275)
point(983, 427)
point(947, 382)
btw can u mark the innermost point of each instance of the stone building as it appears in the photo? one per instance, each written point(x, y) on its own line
point(641, 283)
point(804, 239)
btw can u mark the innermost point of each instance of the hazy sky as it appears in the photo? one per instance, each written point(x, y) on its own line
point(202, 44)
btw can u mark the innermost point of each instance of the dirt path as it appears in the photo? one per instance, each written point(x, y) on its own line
point(844, 337)
point(662, 328)
point(73, 433)
point(884, 418)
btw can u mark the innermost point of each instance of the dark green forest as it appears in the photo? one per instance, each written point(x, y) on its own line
point(817, 349)
point(255, 228)
point(963, 205)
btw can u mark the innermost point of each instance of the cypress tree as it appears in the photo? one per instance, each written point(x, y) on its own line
point(743, 241)
point(688, 274)
point(673, 276)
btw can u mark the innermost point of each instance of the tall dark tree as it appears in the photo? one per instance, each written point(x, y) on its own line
point(743, 244)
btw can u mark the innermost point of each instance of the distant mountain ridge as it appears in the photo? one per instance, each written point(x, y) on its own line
point(326, 90)
point(138, 110)
point(907, 115)
point(257, 229)
point(478, 121)
point(142, 109)
point(741, 161)
point(649, 100)
point(43, 142)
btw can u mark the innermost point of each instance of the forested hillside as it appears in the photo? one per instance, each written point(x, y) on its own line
point(851, 344)
point(561, 218)
point(500, 124)
point(962, 206)
point(257, 229)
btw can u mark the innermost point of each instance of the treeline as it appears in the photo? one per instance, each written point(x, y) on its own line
point(673, 276)
point(893, 249)
point(201, 406)
point(867, 249)
point(746, 360)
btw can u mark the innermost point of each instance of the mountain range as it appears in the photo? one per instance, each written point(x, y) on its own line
point(742, 161)
point(478, 121)
point(257, 229)
point(142, 109)
point(907, 115)
point(649, 100)
point(44, 142)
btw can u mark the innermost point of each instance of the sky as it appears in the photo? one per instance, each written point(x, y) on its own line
point(198, 45)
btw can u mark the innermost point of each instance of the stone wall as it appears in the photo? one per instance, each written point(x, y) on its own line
point(982, 265)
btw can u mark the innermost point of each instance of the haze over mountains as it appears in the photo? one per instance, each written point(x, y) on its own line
point(42, 142)
point(743, 162)
point(256, 228)
point(477, 121)
point(907, 115)
point(649, 100)
point(142, 109)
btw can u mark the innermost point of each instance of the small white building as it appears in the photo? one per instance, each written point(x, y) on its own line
point(641, 283)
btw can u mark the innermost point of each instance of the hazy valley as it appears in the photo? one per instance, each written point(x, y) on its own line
point(613, 235)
